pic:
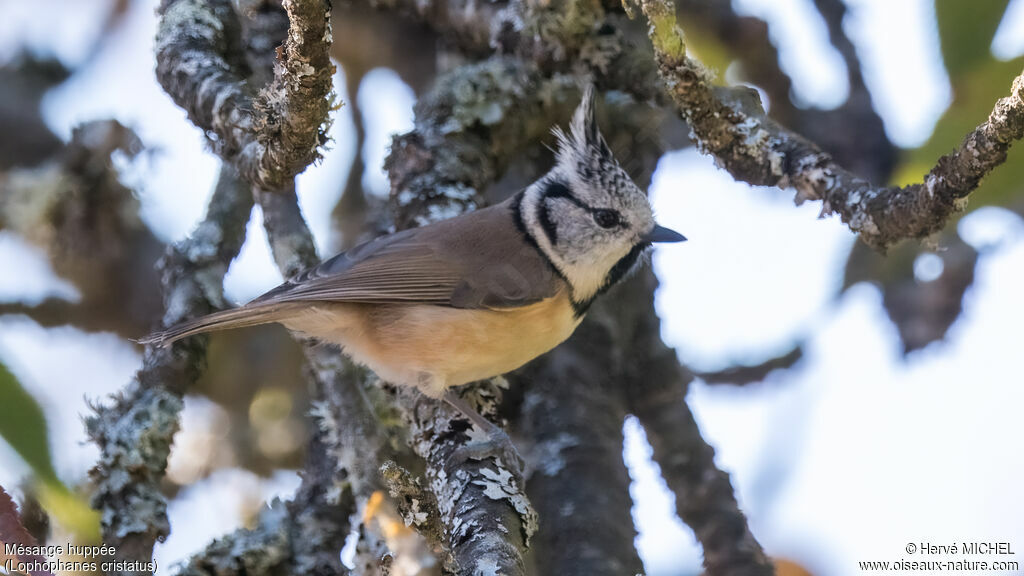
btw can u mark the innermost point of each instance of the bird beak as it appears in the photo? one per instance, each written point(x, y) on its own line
point(662, 234)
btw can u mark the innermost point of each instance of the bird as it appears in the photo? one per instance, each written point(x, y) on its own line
point(477, 295)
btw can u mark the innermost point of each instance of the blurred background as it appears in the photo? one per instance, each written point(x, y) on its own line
point(894, 414)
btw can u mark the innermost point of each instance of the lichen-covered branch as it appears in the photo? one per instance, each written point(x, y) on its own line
point(261, 551)
point(730, 124)
point(290, 538)
point(543, 33)
point(134, 433)
point(321, 514)
point(270, 135)
point(289, 118)
point(416, 504)
point(566, 36)
point(466, 131)
point(486, 517)
point(352, 418)
point(852, 133)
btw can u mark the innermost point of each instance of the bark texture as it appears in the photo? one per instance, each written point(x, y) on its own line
point(269, 135)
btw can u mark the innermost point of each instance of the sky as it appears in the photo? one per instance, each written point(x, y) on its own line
point(847, 457)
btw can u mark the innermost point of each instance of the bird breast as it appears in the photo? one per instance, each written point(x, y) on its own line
point(436, 347)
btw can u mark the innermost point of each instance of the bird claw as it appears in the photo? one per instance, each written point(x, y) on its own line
point(495, 443)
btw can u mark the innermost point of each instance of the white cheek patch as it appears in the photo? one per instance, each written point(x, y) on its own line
point(584, 254)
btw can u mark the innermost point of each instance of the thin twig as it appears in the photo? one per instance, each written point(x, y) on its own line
point(730, 124)
point(740, 375)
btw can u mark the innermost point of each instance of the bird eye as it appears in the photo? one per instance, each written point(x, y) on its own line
point(606, 218)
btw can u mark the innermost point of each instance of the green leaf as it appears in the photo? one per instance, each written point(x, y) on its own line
point(71, 510)
point(23, 426)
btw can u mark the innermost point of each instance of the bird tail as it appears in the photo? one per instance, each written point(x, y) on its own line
point(224, 320)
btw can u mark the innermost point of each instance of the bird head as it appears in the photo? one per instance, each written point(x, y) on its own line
point(587, 215)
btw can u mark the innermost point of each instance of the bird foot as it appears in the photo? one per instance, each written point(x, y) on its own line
point(495, 441)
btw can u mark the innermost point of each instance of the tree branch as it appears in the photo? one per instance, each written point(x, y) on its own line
point(262, 551)
point(135, 433)
point(486, 516)
point(564, 37)
point(731, 124)
point(298, 537)
point(467, 23)
point(743, 375)
point(853, 133)
point(351, 416)
point(269, 137)
point(544, 33)
point(704, 495)
point(833, 12)
point(291, 109)
point(572, 413)
point(466, 131)
point(656, 385)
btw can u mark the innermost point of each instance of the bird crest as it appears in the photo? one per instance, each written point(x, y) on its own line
point(583, 150)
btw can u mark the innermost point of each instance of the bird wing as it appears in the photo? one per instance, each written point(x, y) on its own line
point(479, 260)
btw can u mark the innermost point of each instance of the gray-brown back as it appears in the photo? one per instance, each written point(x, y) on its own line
point(482, 259)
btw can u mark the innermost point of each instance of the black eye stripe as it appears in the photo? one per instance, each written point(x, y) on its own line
point(546, 223)
point(558, 189)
